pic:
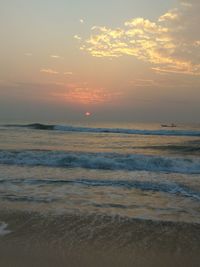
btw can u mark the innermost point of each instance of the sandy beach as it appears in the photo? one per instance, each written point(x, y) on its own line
point(74, 240)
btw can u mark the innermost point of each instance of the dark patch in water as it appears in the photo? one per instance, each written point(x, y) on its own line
point(39, 126)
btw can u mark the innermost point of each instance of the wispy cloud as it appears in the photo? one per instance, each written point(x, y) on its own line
point(170, 44)
point(77, 37)
point(54, 56)
point(143, 82)
point(49, 71)
point(86, 95)
point(68, 73)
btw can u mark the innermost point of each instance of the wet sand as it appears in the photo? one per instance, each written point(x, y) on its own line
point(19, 257)
point(96, 240)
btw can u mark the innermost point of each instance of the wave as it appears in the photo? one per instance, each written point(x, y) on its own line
point(68, 128)
point(36, 126)
point(167, 187)
point(185, 148)
point(100, 161)
point(27, 198)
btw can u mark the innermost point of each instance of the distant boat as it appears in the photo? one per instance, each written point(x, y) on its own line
point(168, 125)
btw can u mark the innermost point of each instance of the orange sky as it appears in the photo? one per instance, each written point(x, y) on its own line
point(130, 60)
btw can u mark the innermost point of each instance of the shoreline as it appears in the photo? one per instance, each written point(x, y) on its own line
point(96, 240)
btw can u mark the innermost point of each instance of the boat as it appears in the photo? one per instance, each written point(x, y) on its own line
point(172, 125)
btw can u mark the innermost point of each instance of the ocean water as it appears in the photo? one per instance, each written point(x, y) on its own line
point(99, 183)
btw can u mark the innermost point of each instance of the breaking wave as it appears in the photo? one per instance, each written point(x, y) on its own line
point(68, 128)
point(100, 161)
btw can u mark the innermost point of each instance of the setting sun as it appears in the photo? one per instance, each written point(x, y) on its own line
point(88, 114)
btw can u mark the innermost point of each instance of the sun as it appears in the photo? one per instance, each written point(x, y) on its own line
point(87, 113)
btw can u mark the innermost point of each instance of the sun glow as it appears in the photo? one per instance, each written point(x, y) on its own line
point(87, 114)
point(86, 95)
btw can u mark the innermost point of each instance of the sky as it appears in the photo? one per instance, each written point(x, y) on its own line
point(112, 60)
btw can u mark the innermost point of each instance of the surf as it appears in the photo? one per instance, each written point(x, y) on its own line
point(100, 161)
point(82, 129)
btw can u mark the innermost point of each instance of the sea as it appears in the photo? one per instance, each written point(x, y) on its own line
point(123, 189)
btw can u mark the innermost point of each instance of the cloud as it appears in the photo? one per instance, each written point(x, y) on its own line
point(81, 21)
point(68, 73)
point(77, 37)
point(172, 15)
point(83, 94)
point(54, 56)
point(170, 44)
point(49, 71)
point(86, 95)
point(143, 82)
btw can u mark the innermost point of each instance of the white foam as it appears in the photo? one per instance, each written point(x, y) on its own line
point(3, 229)
point(104, 161)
